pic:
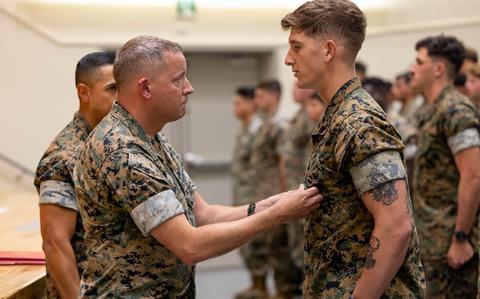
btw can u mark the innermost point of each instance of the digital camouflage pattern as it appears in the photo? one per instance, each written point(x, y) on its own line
point(271, 249)
point(265, 156)
point(242, 172)
point(448, 126)
point(296, 151)
point(53, 180)
point(354, 129)
point(127, 184)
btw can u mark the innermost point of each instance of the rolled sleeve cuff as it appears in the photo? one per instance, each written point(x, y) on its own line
point(377, 170)
point(155, 211)
point(58, 193)
point(466, 139)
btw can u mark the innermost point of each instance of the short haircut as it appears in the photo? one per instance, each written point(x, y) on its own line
point(271, 85)
point(406, 76)
point(360, 67)
point(378, 89)
point(248, 93)
point(474, 70)
point(140, 53)
point(89, 64)
point(445, 47)
point(471, 54)
point(340, 18)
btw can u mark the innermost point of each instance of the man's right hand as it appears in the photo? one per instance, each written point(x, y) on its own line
point(296, 204)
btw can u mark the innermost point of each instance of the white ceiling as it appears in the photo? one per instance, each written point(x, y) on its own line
point(218, 24)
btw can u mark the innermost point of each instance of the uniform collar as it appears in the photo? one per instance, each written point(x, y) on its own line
point(81, 123)
point(443, 94)
point(130, 122)
point(346, 89)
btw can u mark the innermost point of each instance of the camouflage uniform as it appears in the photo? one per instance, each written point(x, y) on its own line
point(272, 248)
point(448, 126)
point(127, 184)
point(54, 184)
point(296, 151)
point(355, 149)
point(243, 189)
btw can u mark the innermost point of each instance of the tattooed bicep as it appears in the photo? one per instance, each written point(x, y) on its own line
point(386, 193)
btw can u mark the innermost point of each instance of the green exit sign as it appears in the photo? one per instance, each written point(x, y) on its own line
point(186, 8)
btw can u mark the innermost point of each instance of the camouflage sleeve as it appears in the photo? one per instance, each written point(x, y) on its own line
point(371, 150)
point(53, 167)
point(463, 140)
point(460, 126)
point(376, 170)
point(58, 193)
point(279, 135)
point(364, 138)
point(141, 189)
point(156, 210)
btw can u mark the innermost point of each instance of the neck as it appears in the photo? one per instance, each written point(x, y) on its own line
point(337, 77)
point(151, 124)
point(247, 119)
point(270, 111)
point(88, 117)
point(432, 92)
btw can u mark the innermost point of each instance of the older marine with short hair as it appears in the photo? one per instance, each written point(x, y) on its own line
point(146, 225)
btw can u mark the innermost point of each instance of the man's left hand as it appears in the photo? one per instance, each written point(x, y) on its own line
point(459, 253)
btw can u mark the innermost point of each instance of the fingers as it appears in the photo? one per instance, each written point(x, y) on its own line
point(312, 191)
point(301, 187)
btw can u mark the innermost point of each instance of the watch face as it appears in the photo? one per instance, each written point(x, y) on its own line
point(461, 236)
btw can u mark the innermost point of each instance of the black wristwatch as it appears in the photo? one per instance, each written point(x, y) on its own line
point(460, 236)
point(251, 209)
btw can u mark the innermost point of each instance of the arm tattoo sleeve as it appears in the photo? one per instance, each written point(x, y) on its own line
point(385, 193)
point(374, 245)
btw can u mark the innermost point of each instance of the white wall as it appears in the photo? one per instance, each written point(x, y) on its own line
point(389, 54)
point(38, 95)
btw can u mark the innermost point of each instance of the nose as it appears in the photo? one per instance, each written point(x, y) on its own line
point(188, 89)
point(289, 59)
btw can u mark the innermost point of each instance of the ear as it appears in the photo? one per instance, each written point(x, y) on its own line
point(143, 87)
point(83, 92)
point(439, 68)
point(330, 50)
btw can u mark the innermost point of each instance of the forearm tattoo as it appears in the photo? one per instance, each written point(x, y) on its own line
point(373, 246)
point(386, 193)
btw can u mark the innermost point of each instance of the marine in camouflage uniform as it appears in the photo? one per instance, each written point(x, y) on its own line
point(296, 151)
point(448, 126)
point(272, 248)
point(53, 180)
point(243, 189)
point(127, 184)
point(353, 140)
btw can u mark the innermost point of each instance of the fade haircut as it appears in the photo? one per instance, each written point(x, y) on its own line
point(271, 86)
point(139, 53)
point(247, 93)
point(325, 18)
point(88, 65)
point(448, 48)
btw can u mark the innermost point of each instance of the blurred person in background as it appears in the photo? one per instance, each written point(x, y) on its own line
point(447, 181)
